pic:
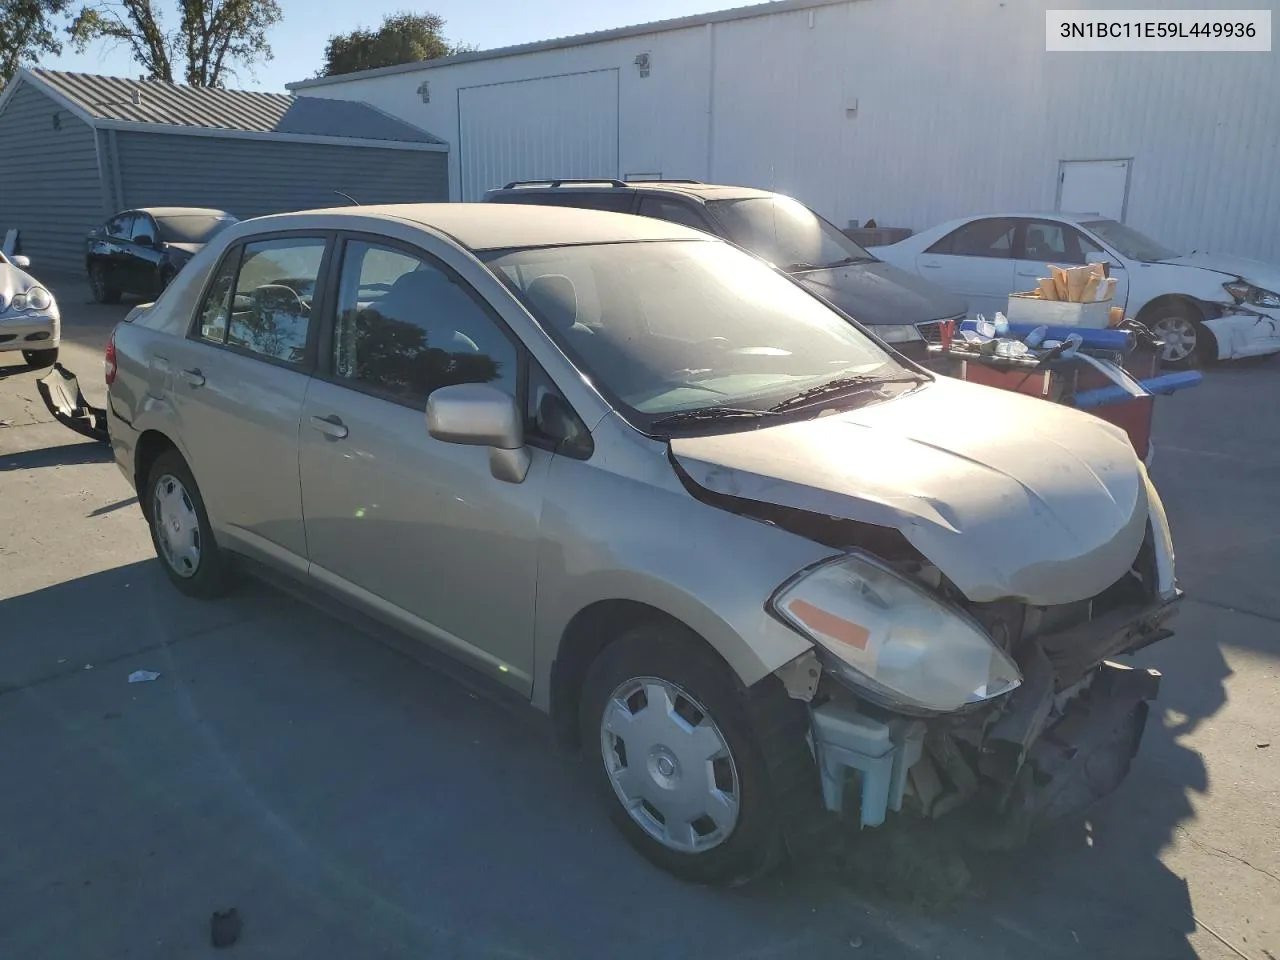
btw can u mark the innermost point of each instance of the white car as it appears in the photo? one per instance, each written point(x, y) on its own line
point(29, 319)
point(1203, 306)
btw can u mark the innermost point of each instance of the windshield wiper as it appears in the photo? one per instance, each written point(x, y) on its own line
point(838, 385)
point(848, 261)
point(709, 415)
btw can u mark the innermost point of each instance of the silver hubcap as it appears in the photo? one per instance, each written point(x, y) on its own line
point(669, 765)
point(1179, 336)
point(177, 527)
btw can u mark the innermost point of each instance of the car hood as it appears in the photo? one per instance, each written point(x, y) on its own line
point(1009, 495)
point(880, 293)
point(1257, 272)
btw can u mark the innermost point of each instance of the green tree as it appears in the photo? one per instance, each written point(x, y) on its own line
point(211, 38)
point(403, 38)
point(26, 32)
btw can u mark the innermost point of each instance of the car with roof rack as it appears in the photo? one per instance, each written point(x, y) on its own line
point(893, 303)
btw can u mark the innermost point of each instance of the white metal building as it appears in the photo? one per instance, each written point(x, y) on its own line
point(906, 111)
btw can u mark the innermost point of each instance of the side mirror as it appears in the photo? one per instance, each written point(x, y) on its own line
point(145, 240)
point(20, 261)
point(479, 415)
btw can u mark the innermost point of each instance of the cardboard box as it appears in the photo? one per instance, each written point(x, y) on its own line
point(1030, 308)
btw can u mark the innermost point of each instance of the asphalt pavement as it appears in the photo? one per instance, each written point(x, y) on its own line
point(350, 801)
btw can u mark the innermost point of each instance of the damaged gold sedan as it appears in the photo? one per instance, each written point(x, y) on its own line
point(763, 572)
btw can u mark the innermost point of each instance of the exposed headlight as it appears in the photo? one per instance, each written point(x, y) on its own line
point(892, 639)
point(1247, 293)
point(896, 332)
point(38, 298)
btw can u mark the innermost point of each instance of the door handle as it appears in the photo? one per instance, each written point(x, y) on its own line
point(930, 266)
point(1029, 273)
point(194, 377)
point(330, 426)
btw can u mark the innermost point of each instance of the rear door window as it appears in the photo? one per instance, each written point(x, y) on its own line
point(261, 296)
point(991, 238)
point(120, 227)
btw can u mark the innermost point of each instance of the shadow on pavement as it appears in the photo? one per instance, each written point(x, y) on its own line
point(352, 803)
point(59, 456)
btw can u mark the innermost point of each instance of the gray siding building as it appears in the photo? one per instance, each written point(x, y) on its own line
point(76, 148)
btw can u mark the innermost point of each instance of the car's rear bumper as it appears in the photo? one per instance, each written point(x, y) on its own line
point(40, 332)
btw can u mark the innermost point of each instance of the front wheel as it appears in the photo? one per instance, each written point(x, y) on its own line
point(180, 530)
point(1187, 342)
point(673, 753)
point(40, 358)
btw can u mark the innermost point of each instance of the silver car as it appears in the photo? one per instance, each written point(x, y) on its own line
point(29, 318)
point(759, 569)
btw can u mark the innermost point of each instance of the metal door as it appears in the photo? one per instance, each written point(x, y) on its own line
point(551, 127)
point(1094, 186)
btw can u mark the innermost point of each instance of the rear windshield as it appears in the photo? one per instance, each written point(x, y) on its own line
point(192, 228)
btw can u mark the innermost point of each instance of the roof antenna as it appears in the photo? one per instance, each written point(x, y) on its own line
point(348, 196)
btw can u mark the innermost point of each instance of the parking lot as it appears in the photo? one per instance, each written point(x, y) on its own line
point(352, 802)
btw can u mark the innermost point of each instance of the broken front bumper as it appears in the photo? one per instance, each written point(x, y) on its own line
point(1061, 741)
point(61, 393)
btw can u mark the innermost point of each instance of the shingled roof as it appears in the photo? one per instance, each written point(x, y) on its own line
point(112, 101)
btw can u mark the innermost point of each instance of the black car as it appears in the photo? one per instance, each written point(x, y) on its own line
point(898, 306)
point(140, 251)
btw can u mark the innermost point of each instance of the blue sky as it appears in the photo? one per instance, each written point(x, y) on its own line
point(298, 41)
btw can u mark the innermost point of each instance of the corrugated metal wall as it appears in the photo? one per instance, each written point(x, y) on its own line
point(251, 178)
point(49, 186)
point(564, 126)
point(916, 111)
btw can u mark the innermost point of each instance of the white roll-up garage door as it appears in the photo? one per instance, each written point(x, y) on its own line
point(549, 127)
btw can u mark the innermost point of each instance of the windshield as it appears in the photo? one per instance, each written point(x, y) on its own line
point(192, 228)
point(786, 233)
point(669, 326)
point(1130, 243)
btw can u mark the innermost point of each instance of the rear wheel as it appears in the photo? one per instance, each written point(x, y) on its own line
point(100, 285)
point(180, 530)
point(673, 753)
point(40, 358)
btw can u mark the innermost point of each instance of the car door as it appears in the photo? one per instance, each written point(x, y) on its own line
point(1078, 248)
point(976, 260)
point(143, 267)
point(418, 532)
point(238, 384)
point(117, 251)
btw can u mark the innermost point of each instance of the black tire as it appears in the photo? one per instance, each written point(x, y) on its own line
point(100, 285)
point(670, 653)
point(40, 358)
point(211, 576)
point(1184, 315)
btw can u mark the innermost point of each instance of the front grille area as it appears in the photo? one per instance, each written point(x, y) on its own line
point(930, 329)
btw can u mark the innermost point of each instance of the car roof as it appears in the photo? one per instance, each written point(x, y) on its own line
point(691, 188)
point(180, 211)
point(1062, 215)
point(496, 226)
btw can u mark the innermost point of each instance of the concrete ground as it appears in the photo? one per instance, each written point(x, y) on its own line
point(351, 802)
